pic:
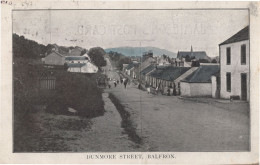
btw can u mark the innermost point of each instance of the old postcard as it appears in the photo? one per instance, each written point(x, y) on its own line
point(129, 82)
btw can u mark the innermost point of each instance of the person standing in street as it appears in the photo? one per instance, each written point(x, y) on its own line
point(125, 83)
point(115, 83)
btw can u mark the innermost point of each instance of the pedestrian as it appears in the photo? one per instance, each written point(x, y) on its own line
point(109, 86)
point(139, 85)
point(115, 83)
point(125, 83)
point(168, 92)
point(156, 90)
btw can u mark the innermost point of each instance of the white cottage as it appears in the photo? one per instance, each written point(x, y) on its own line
point(234, 66)
point(199, 83)
point(87, 67)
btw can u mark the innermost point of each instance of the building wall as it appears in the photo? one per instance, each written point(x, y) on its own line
point(74, 69)
point(185, 89)
point(235, 68)
point(76, 61)
point(196, 89)
point(54, 59)
point(89, 68)
point(214, 86)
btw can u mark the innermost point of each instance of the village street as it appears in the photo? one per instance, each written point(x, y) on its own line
point(167, 123)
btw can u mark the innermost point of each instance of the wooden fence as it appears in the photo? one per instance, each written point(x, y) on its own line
point(47, 83)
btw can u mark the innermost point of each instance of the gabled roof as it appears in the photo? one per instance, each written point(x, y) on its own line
point(55, 53)
point(75, 58)
point(197, 54)
point(239, 36)
point(132, 65)
point(148, 69)
point(75, 65)
point(202, 74)
point(169, 73)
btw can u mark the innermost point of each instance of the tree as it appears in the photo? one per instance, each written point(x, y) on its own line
point(124, 60)
point(187, 58)
point(195, 64)
point(25, 48)
point(84, 51)
point(97, 56)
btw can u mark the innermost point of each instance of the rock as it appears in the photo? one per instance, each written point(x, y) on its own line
point(72, 110)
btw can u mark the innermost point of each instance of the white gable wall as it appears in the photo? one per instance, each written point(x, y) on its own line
point(196, 89)
point(235, 68)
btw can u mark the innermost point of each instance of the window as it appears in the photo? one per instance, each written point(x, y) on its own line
point(243, 54)
point(228, 79)
point(228, 52)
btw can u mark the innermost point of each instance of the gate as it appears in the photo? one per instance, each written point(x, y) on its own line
point(47, 83)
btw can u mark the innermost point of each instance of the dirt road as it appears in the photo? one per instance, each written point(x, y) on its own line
point(167, 123)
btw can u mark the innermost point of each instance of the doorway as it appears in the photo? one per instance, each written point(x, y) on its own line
point(243, 86)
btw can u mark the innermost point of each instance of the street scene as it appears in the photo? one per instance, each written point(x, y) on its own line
point(87, 87)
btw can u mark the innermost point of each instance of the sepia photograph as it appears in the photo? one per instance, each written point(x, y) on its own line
point(121, 80)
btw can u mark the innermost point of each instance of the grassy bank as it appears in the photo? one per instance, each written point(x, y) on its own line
point(39, 114)
point(126, 120)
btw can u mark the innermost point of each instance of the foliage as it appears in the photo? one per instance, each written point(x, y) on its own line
point(188, 58)
point(96, 55)
point(25, 48)
point(84, 51)
point(119, 59)
point(195, 64)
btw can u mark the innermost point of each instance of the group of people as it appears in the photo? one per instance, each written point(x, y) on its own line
point(122, 81)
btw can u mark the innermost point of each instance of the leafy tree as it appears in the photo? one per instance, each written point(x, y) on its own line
point(97, 56)
point(119, 59)
point(83, 52)
point(195, 64)
point(25, 48)
point(187, 58)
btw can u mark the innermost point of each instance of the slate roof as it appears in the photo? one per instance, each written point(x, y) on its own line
point(239, 36)
point(197, 54)
point(75, 65)
point(132, 65)
point(75, 58)
point(169, 73)
point(202, 74)
point(147, 69)
point(55, 53)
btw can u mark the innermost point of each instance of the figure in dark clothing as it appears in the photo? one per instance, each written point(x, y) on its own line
point(109, 86)
point(139, 86)
point(125, 82)
point(115, 83)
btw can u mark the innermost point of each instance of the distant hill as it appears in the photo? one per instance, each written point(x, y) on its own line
point(138, 51)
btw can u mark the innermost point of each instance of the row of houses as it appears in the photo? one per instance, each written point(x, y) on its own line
point(75, 63)
point(228, 79)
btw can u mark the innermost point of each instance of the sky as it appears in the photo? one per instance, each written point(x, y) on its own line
point(174, 30)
